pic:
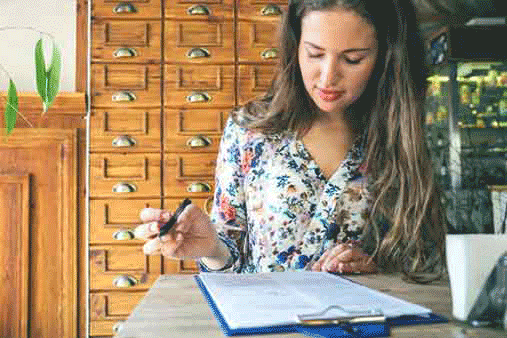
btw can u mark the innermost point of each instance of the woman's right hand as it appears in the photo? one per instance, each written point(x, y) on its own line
point(193, 235)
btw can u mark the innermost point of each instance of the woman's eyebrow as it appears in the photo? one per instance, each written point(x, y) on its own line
point(350, 50)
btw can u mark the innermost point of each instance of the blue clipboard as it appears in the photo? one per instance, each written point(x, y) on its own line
point(373, 329)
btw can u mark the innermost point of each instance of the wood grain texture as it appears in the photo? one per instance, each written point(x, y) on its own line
point(81, 44)
point(50, 156)
point(14, 254)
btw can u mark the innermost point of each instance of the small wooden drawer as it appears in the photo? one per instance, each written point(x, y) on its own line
point(125, 175)
point(204, 203)
point(122, 267)
point(254, 81)
point(180, 266)
point(125, 85)
point(261, 9)
point(126, 41)
point(257, 42)
point(127, 9)
point(125, 130)
point(189, 175)
point(193, 130)
point(114, 220)
point(199, 41)
point(212, 10)
point(113, 305)
point(199, 86)
point(105, 328)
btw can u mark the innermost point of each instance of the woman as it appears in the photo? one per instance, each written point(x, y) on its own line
point(330, 170)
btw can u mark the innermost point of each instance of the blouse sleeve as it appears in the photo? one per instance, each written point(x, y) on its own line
point(229, 206)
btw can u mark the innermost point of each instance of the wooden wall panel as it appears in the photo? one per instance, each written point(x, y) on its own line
point(14, 255)
point(50, 157)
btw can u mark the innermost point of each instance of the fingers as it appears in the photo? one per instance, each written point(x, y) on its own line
point(147, 230)
point(152, 214)
point(346, 259)
point(336, 250)
point(152, 247)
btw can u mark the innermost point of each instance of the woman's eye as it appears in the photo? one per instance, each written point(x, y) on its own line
point(353, 61)
point(310, 55)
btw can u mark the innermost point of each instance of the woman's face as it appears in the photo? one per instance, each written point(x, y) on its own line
point(337, 54)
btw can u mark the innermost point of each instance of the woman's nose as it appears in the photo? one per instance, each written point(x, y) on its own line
point(330, 73)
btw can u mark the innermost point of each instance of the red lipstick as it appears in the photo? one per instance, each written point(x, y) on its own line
point(330, 95)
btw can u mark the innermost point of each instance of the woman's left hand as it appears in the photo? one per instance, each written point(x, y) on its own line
point(345, 258)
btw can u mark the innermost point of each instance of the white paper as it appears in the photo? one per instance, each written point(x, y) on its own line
point(276, 298)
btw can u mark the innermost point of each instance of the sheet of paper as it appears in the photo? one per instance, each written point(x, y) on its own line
point(276, 298)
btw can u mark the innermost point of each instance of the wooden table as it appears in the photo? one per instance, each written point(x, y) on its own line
point(175, 307)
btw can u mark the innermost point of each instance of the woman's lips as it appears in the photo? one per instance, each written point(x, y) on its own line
point(330, 95)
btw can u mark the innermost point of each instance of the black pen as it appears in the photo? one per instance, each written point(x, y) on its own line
point(164, 229)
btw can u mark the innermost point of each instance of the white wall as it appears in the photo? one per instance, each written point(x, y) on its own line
point(57, 17)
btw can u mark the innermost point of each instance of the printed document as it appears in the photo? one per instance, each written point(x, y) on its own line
point(276, 298)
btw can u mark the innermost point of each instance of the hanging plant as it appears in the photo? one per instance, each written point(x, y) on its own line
point(47, 80)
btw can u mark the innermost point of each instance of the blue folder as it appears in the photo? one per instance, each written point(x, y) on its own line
point(363, 330)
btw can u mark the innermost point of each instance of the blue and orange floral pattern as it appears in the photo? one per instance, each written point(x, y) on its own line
point(273, 207)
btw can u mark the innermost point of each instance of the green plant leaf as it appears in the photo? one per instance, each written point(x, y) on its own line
point(11, 109)
point(53, 76)
point(40, 71)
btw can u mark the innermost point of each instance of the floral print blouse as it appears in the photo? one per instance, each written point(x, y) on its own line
point(274, 209)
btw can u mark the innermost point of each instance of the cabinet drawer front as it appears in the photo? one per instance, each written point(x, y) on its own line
point(193, 130)
point(189, 175)
point(122, 267)
point(198, 9)
point(114, 220)
point(199, 86)
point(199, 41)
point(180, 266)
point(126, 41)
point(125, 130)
point(125, 85)
point(125, 175)
point(105, 328)
point(113, 306)
point(204, 203)
point(127, 9)
point(261, 9)
point(256, 41)
point(254, 81)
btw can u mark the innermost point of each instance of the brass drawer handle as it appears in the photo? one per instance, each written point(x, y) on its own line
point(208, 205)
point(271, 53)
point(198, 98)
point(123, 141)
point(198, 141)
point(198, 10)
point(125, 8)
point(271, 10)
point(123, 235)
point(118, 326)
point(124, 187)
point(199, 187)
point(124, 96)
point(124, 281)
point(125, 52)
point(197, 53)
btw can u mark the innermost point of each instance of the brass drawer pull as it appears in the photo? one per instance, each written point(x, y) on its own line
point(124, 281)
point(123, 141)
point(118, 326)
point(208, 205)
point(198, 141)
point(199, 187)
point(197, 53)
point(271, 10)
point(198, 98)
point(125, 52)
point(125, 8)
point(123, 235)
point(124, 96)
point(271, 53)
point(198, 10)
point(124, 187)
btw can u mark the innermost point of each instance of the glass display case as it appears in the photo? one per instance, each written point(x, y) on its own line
point(466, 129)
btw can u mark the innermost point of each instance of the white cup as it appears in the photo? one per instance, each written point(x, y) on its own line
point(470, 260)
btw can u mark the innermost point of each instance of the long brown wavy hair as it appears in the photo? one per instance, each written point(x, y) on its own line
point(390, 116)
